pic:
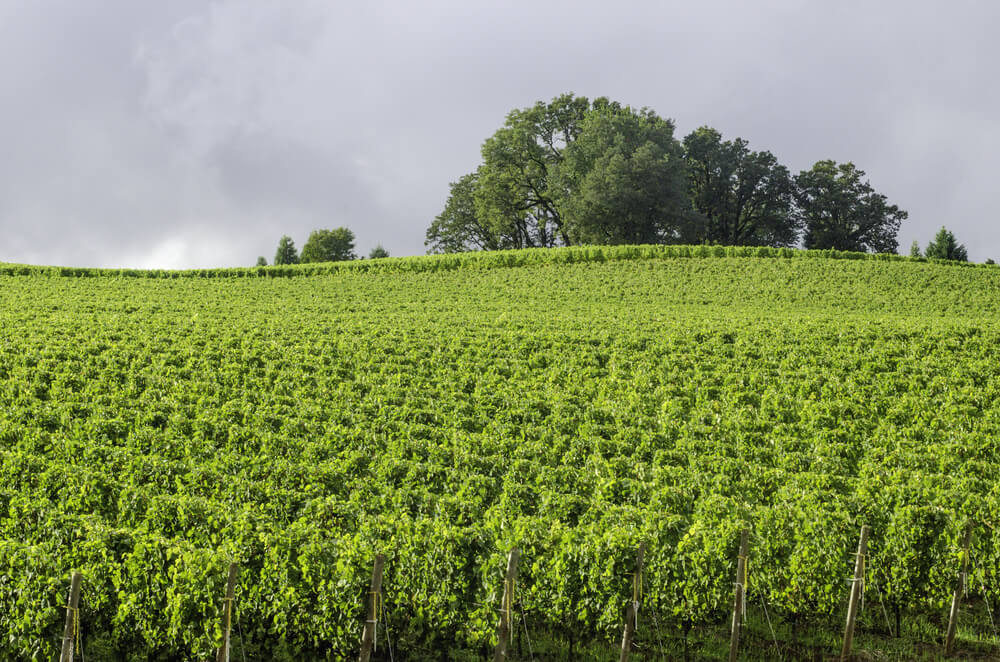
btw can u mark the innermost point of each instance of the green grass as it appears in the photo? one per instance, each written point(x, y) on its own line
point(440, 410)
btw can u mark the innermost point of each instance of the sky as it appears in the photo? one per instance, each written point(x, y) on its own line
point(195, 134)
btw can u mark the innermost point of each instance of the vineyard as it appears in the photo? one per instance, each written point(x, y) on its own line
point(440, 411)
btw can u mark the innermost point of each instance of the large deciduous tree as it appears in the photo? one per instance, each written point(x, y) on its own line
point(622, 180)
point(458, 228)
point(513, 195)
point(565, 172)
point(329, 246)
point(286, 253)
point(840, 210)
point(945, 247)
point(743, 197)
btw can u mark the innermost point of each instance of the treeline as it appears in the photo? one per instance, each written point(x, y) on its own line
point(336, 245)
point(573, 171)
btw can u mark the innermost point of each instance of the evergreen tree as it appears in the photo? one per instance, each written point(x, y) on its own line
point(286, 253)
point(946, 247)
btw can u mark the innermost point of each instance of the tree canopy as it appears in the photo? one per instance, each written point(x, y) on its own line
point(286, 253)
point(841, 210)
point(572, 171)
point(459, 228)
point(621, 181)
point(944, 246)
point(513, 196)
point(566, 172)
point(334, 245)
point(744, 197)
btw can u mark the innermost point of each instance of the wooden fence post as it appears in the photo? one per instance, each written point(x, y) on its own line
point(227, 614)
point(739, 599)
point(949, 640)
point(857, 587)
point(503, 629)
point(633, 607)
point(71, 633)
point(374, 600)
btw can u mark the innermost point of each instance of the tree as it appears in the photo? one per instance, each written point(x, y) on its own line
point(458, 228)
point(915, 249)
point(513, 195)
point(286, 253)
point(378, 252)
point(744, 198)
point(565, 172)
point(622, 180)
point(261, 261)
point(841, 211)
point(945, 247)
point(989, 261)
point(329, 246)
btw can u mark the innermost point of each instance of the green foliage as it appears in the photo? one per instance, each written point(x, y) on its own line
point(336, 245)
point(568, 172)
point(915, 249)
point(261, 261)
point(458, 228)
point(743, 197)
point(286, 253)
point(621, 181)
point(572, 171)
point(155, 426)
point(514, 195)
point(468, 260)
point(944, 246)
point(841, 211)
point(378, 252)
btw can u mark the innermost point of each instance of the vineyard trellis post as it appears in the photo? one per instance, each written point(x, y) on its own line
point(631, 614)
point(227, 614)
point(739, 599)
point(71, 632)
point(503, 629)
point(374, 600)
point(949, 640)
point(857, 587)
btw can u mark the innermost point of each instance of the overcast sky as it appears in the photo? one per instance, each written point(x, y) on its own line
point(190, 134)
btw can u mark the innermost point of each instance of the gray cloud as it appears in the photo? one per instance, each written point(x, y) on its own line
point(195, 134)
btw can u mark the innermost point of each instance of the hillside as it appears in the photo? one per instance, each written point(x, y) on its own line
point(155, 426)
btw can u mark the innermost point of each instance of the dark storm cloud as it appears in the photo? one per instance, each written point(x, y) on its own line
point(194, 134)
